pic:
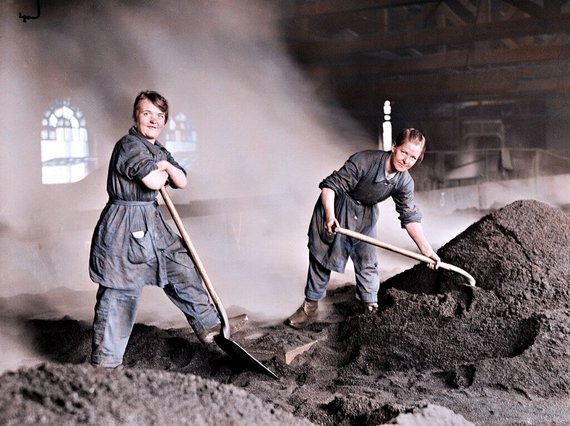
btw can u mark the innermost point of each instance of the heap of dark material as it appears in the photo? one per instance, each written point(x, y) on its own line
point(496, 354)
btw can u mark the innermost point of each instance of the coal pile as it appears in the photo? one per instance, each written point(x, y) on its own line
point(516, 318)
point(57, 394)
point(438, 351)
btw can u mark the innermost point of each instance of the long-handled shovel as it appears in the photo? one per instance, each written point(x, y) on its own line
point(405, 252)
point(223, 339)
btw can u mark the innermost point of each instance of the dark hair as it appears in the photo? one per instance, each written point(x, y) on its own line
point(156, 98)
point(414, 136)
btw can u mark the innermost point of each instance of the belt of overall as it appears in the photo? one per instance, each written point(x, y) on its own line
point(132, 203)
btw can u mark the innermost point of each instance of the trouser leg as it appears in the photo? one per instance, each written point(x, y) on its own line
point(366, 272)
point(115, 313)
point(317, 280)
point(195, 304)
point(188, 293)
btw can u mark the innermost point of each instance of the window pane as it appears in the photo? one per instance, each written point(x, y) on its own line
point(180, 139)
point(64, 144)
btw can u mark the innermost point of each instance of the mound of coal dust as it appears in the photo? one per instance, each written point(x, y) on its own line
point(67, 394)
point(167, 365)
point(512, 332)
point(438, 351)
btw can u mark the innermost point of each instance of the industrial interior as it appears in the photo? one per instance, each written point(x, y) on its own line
point(487, 80)
point(267, 98)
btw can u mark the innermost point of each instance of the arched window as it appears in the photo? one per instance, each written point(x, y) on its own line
point(181, 140)
point(64, 144)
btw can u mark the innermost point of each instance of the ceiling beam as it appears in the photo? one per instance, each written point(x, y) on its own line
point(294, 9)
point(530, 7)
point(437, 36)
point(515, 81)
point(459, 59)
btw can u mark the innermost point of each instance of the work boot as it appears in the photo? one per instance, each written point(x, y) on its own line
point(305, 315)
point(236, 324)
point(370, 308)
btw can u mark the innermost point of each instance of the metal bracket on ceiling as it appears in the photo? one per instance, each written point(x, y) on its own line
point(24, 18)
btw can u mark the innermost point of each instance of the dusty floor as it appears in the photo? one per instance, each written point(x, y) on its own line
point(438, 352)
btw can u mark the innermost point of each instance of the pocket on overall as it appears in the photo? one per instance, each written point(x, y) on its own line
point(140, 249)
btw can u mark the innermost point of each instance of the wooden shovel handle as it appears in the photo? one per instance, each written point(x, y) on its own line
point(411, 254)
point(197, 262)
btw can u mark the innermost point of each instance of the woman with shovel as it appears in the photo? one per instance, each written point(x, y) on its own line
point(349, 199)
point(133, 246)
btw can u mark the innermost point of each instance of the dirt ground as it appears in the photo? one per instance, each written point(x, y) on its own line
point(439, 352)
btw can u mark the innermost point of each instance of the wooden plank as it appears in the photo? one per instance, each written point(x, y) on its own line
point(287, 355)
point(290, 354)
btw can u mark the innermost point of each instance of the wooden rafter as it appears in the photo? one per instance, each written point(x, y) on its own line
point(514, 81)
point(430, 51)
point(460, 59)
point(457, 35)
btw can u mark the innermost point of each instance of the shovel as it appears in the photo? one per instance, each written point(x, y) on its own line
point(223, 339)
point(405, 252)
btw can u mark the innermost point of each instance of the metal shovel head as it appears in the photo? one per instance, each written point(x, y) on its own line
point(237, 352)
point(231, 348)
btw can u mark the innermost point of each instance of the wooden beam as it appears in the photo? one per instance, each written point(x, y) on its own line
point(296, 9)
point(468, 85)
point(437, 36)
point(451, 15)
point(459, 59)
point(528, 7)
point(467, 5)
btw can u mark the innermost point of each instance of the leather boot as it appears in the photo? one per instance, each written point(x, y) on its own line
point(236, 324)
point(305, 315)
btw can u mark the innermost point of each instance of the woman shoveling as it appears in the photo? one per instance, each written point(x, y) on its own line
point(349, 199)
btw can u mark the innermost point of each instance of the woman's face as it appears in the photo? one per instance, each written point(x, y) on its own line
point(405, 156)
point(150, 120)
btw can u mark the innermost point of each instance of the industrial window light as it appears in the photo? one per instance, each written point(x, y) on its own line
point(64, 144)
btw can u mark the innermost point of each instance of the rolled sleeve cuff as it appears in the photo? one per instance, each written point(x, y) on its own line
point(416, 217)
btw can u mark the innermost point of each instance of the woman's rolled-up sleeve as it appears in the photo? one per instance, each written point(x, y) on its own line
point(403, 198)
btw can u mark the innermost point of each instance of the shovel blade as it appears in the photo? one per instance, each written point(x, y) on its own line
point(235, 351)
